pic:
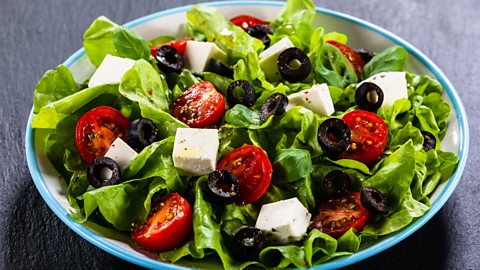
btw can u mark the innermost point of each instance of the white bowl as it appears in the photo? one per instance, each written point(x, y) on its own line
point(360, 33)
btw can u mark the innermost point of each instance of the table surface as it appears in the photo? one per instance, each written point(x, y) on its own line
point(38, 35)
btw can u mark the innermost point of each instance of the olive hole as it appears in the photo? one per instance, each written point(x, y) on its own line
point(334, 134)
point(104, 173)
point(271, 107)
point(222, 186)
point(238, 92)
point(295, 64)
point(372, 96)
point(249, 242)
point(171, 57)
point(146, 131)
point(376, 197)
point(337, 183)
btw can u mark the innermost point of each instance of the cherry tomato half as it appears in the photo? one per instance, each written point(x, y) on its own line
point(97, 129)
point(336, 216)
point(179, 44)
point(252, 168)
point(352, 57)
point(245, 21)
point(369, 134)
point(168, 226)
point(200, 106)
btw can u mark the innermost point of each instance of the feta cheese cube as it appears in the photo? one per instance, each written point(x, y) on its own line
point(121, 152)
point(198, 53)
point(393, 85)
point(284, 221)
point(317, 99)
point(269, 57)
point(111, 70)
point(195, 150)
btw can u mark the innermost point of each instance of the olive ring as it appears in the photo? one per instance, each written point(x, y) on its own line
point(294, 74)
point(341, 133)
point(365, 102)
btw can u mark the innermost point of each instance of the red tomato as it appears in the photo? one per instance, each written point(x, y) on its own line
point(200, 106)
point(179, 44)
point(352, 57)
point(369, 134)
point(336, 216)
point(245, 21)
point(97, 129)
point(252, 168)
point(168, 226)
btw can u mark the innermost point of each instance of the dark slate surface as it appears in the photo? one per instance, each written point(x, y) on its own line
point(38, 35)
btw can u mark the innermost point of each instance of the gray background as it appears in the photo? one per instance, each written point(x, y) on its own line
point(38, 35)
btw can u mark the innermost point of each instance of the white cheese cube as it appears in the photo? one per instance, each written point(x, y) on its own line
point(393, 85)
point(317, 99)
point(269, 57)
point(284, 221)
point(121, 152)
point(195, 150)
point(111, 70)
point(197, 54)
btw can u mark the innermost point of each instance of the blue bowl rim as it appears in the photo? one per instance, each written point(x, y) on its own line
point(390, 241)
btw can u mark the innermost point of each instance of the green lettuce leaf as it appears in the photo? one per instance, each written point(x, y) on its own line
point(400, 165)
point(106, 37)
point(331, 67)
point(295, 21)
point(391, 59)
point(54, 85)
point(49, 115)
point(145, 85)
point(292, 164)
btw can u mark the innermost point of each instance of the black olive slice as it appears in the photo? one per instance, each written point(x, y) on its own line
point(429, 141)
point(369, 97)
point(364, 54)
point(341, 136)
point(274, 105)
point(240, 92)
point(141, 133)
point(261, 32)
point(336, 184)
point(222, 187)
point(294, 65)
point(169, 59)
point(248, 243)
point(94, 172)
point(217, 67)
point(373, 200)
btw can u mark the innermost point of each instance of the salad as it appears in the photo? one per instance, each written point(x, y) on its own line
point(244, 143)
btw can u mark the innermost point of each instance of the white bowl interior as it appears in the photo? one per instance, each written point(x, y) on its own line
point(172, 24)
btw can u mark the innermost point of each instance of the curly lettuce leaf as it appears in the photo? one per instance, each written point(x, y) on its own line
point(144, 85)
point(294, 21)
point(54, 85)
point(50, 115)
point(391, 59)
point(331, 67)
point(291, 165)
point(106, 37)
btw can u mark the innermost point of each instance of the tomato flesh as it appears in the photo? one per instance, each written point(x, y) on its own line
point(369, 134)
point(245, 21)
point(168, 226)
point(200, 106)
point(179, 44)
point(97, 129)
point(336, 216)
point(252, 168)
point(353, 58)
